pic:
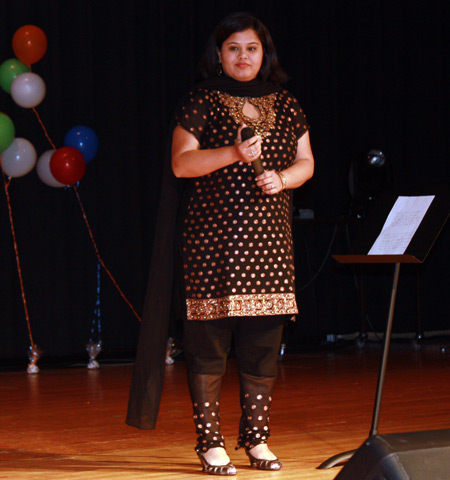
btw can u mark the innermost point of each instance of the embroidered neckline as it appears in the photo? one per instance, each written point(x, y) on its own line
point(261, 125)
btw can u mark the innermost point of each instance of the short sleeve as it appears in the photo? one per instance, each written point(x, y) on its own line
point(194, 113)
point(296, 115)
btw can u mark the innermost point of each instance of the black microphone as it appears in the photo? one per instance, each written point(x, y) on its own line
point(247, 133)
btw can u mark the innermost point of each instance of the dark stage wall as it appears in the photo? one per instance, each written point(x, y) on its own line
point(369, 74)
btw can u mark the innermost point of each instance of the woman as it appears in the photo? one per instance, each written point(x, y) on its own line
point(234, 237)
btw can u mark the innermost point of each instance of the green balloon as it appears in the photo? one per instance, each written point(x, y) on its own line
point(9, 70)
point(7, 132)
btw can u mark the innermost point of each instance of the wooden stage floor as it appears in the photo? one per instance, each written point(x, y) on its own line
point(69, 423)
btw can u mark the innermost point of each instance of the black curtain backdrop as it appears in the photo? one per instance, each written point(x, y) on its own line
point(369, 74)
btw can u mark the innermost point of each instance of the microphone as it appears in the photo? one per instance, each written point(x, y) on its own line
point(247, 133)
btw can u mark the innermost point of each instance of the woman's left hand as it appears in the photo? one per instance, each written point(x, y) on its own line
point(269, 182)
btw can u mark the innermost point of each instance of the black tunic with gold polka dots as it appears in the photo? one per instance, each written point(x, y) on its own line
point(237, 248)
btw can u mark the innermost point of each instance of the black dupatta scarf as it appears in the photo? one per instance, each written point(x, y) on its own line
point(253, 88)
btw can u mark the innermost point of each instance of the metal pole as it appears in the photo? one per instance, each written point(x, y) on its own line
point(387, 341)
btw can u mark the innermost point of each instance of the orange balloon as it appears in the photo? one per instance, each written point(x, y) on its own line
point(29, 44)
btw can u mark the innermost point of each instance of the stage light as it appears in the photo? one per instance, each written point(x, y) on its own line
point(367, 179)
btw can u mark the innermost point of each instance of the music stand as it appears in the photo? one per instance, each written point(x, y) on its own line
point(416, 252)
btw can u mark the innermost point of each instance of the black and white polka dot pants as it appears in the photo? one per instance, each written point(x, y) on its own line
point(256, 345)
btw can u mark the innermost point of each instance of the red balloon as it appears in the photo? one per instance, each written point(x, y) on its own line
point(67, 165)
point(29, 44)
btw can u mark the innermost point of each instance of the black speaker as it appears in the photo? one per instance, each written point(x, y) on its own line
point(401, 456)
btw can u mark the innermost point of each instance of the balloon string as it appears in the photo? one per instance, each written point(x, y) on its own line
point(43, 128)
point(99, 257)
point(16, 250)
point(96, 321)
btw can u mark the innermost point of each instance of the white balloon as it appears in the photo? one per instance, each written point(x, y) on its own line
point(19, 158)
point(43, 170)
point(28, 90)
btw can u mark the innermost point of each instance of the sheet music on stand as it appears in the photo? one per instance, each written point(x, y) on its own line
point(401, 224)
point(408, 224)
point(405, 229)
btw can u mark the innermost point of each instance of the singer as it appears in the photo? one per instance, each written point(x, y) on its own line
point(234, 264)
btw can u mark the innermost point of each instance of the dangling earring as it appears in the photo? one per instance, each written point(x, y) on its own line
point(219, 69)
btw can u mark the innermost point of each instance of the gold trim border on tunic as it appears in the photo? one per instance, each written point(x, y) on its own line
point(241, 306)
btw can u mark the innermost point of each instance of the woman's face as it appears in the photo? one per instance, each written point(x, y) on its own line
point(242, 55)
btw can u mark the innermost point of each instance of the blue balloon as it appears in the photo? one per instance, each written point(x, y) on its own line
point(83, 139)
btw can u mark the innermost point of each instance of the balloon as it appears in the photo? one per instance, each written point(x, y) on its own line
point(7, 131)
point(28, 90)
point(29, 44)
point(67, 165)
point(9, 70)
point(84, 139)
point(19, 158)
point(43, 170)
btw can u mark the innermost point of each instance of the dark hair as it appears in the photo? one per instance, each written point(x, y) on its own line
point(237, 22)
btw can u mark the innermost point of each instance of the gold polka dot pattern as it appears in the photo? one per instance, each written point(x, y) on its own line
point(237, 242)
